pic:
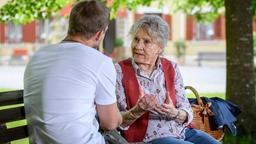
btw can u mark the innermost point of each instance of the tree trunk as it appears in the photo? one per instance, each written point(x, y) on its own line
point(240, 67)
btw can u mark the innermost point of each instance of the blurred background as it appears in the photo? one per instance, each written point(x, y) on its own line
point(213, 42)
point(199, 48)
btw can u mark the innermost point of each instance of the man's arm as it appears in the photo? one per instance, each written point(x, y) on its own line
point(105, 100)
point(109, 116)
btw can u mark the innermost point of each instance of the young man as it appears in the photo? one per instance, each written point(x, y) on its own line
point(66, 84)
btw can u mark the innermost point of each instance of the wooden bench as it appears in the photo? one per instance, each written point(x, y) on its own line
point(11, 114)
point(16, 112)
point(210, 56)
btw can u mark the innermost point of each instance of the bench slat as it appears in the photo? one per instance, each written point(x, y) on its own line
point(13, 134)
point(212, 56)
point(12, 114)
point(11, 97)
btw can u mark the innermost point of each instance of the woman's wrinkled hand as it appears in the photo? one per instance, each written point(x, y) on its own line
point(167, 109)
point(146, 101)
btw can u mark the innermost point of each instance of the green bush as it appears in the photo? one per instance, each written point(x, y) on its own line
point(180, 46)
point(119, 42)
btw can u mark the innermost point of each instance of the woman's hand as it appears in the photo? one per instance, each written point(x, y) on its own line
point(146, 101)
point(168, 109)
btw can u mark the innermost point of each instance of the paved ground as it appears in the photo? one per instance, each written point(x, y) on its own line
point(11, 77)
point(211, 77)
point(205, 79)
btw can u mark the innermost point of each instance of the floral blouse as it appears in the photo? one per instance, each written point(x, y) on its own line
point(155, 84)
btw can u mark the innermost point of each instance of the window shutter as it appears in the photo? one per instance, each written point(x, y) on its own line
point(2, 32)
point(189, 27)
point(29, 32)
point(168, 20)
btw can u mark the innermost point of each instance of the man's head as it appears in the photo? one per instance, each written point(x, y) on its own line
point(89, 19)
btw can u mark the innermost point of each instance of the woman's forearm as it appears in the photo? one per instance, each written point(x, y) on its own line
point(132, 115)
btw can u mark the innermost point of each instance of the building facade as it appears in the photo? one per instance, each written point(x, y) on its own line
point(199, 37)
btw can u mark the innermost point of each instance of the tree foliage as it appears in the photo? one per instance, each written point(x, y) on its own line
point(203, 10)
point(130, 4)
point(23, 11)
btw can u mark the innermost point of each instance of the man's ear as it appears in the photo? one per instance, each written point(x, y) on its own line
point(97, 35)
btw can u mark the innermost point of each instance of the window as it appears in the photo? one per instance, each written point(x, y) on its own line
point(43, 30)
point(204, 31)
point(14, 33)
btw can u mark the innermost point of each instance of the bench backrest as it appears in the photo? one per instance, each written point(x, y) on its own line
point(11, 114)
point(211, 56)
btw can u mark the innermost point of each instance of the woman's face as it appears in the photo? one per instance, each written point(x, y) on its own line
point(145, 49)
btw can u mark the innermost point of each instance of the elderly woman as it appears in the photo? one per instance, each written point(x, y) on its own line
point(150, 91)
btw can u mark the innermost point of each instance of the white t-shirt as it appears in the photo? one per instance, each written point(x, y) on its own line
point(62, 83)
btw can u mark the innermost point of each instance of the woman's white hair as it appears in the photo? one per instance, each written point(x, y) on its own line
point(156, 27)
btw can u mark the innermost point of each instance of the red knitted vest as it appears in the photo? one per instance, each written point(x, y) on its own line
point(137, 130)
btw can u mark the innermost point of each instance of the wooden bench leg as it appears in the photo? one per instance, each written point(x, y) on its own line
point(3, 127)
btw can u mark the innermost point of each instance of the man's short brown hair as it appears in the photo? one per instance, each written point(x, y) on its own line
point(87, 18)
